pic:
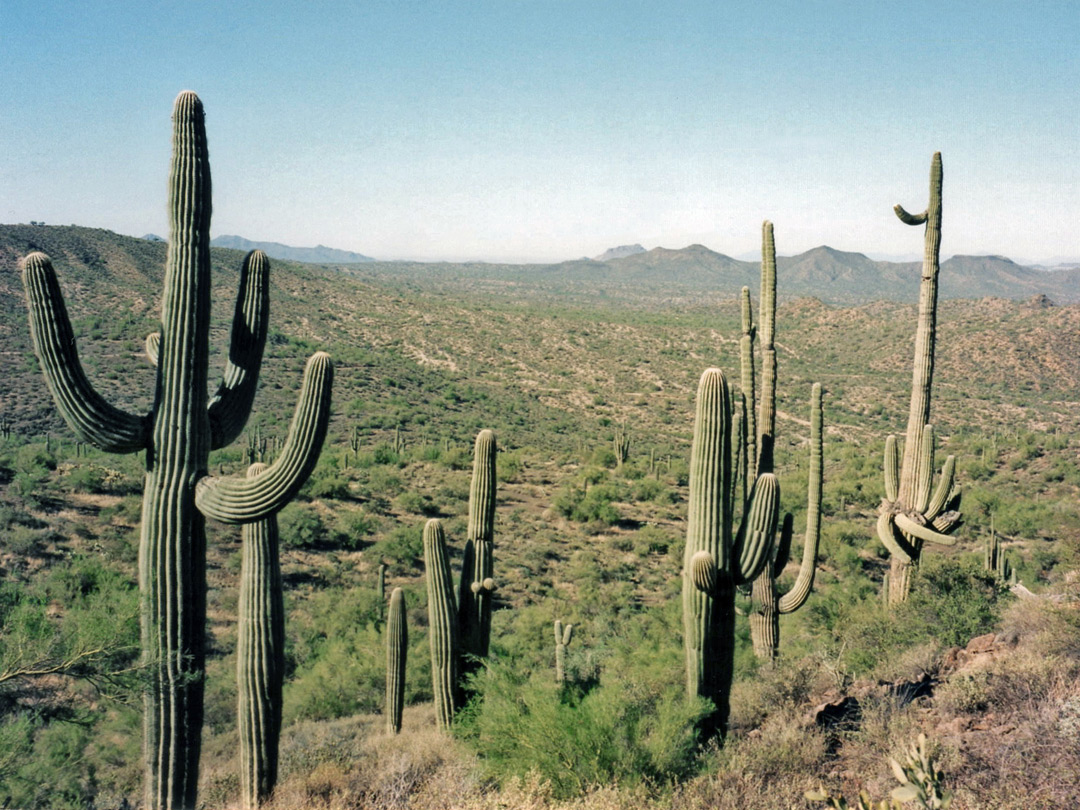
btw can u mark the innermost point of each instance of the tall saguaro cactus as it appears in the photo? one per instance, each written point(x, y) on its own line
point(768, 605)
point(913, 512)
point(718, 558)
point(397, 650)
point(442, 623)
point(178, 433)
point(563, 634)
point(477, 585)
point(260, 658)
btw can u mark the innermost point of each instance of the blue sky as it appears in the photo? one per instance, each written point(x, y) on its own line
point(541, 131)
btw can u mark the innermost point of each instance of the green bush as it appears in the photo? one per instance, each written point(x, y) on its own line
point(301, 527)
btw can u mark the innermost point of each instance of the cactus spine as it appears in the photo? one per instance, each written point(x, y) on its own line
point(397, 650)
point(717, 558)
point(260, 664)
point(768, 604)
point(909, 516)
point(442, 622)
point(477, 584)
point(563, 634)
point(177, 435)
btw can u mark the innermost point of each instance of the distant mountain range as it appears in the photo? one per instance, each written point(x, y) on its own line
point(831, 275)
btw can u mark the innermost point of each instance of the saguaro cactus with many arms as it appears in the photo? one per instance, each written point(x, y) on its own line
point(718, 558)
point(767, 602)
point(179, 432)
point(477, 585)
point(260, 657)
point(912, 512)
point(397, 650)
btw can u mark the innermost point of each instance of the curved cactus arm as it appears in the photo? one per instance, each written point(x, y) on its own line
point(911, 527)
point(892, 469)
point(153, 347)
point(230, 406)
point(782, 552)
point(794, 599)
point(909, 219)
point(944, 489)
point(87, 413)
point(757, 533)
point(951, 517)
point(924, 470)
point(242, 500)
point(898, 546)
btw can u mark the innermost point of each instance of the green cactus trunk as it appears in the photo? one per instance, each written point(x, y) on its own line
point(909, 516)
point(178, 435)
point(442, 624)
point(563, 635)
point(260, 654)
point(397, 650)
point(477, 585)
point(716, 560)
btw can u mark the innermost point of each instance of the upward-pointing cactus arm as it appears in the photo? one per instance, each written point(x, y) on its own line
point(944, 489)
point(87, 413)
point(758, 530)
point(153, 347)
point(896, 544)
point(915, 529)
point(230, 406)
point(794, 599)
point(242, 500)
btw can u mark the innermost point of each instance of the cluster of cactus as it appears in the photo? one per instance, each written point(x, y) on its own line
point(5, 427)
point(995, 559)
point(260, 657)
point(920, 782)
point(913, 512)
point(755, 456)
point(460, 630)
point(397, 650)
point(178, 433)
point(563, 634)
point(621, 445)
point(260, 448)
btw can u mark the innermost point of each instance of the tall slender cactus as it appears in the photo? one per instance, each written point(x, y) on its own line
point(477, 584)
point(913, 513)
point(563, 634)
point(260, 658)
point(442, 623)
point(768, 605)
point(717, 558)
point(178, 433)
point(397, 650)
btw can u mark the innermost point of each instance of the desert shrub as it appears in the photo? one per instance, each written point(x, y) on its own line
point(403, 545)
point(301, 526)
point(353, 528)
point(576, 738)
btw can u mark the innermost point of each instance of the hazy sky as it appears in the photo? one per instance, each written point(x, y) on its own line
point(539, 131)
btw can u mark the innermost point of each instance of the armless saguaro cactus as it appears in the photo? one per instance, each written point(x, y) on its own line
point(910, 515)
point(397, 650)
point(442, 623)
point(767, 602)
point(477, 585)
point(260, 658)
point(179, 432)
point(717, 558)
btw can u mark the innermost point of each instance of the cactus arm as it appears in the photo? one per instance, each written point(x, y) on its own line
point(230, 406)
point(909, 219)
point(767, 405)
point(758, 530)
point(915, 529)
point(794, 599)
point(153, 347)
point(892, 469)
point(475, 601)
point(242, 500)
point(442, 622)
point(748, 446)
point(783, 545)
point(740, 469)
point(944, 489)
point(897, 546)
point(703, 573)
point(86, 412)
point(924, 470)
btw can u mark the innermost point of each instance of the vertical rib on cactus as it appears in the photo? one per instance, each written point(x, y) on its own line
point(397, 649)
point(442, 622)
point(260, 659)
point(477, 584)
point(716, 559)
point(909, 516)
point(178, 435)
